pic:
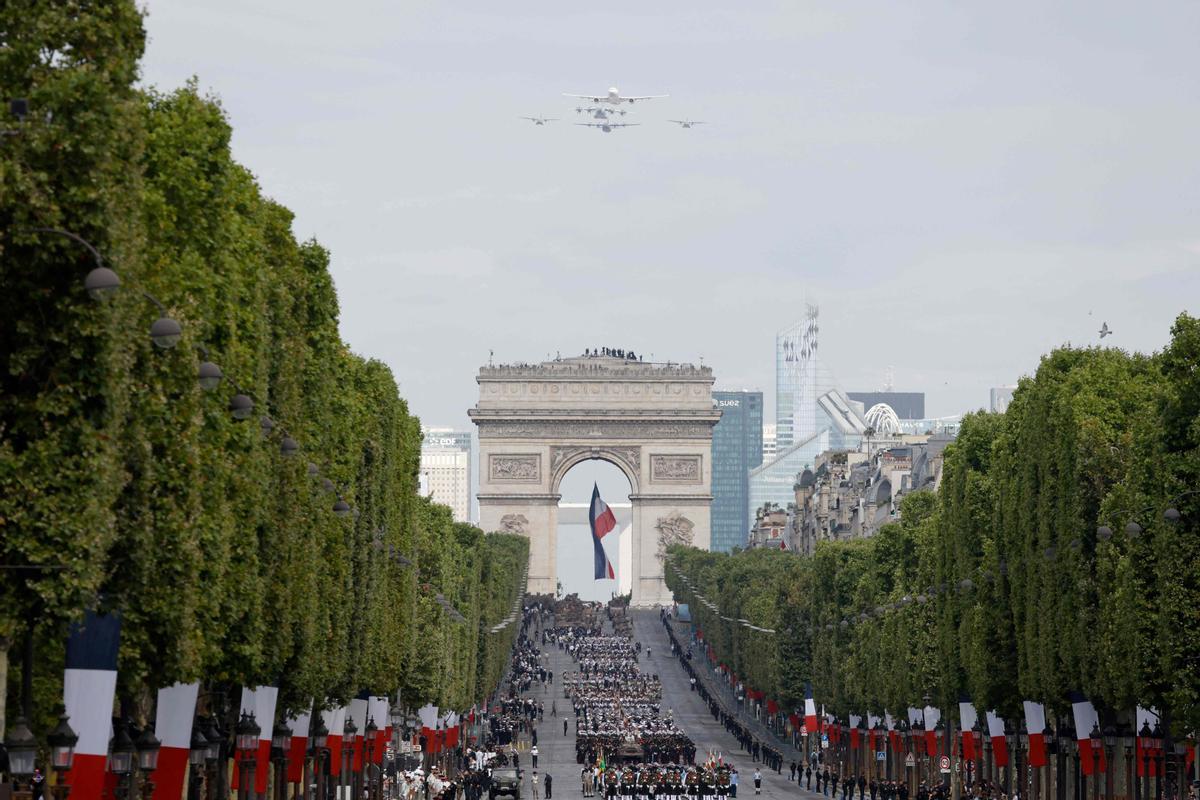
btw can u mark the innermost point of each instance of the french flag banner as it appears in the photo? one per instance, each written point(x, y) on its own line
point(872, 724)
point(335, 723)
point(1035, 724)
point(358, 714)
point(967, 719)
point(1146, 716)
point(259, 701)
point(379, 712)
point(173, 726)
point(602, 520)
point(1086, 718)
point(914, 716)
point(429, 723)
point(932, 716)
point(298, 723)
point(855, 721)
point(810, 709)
point(893, 735)
point(89, 684)
point(999, 740)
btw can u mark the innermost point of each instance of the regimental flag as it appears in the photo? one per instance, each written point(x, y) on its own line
point(602, 520)
point(89, 683)
point(855, 721)
point(932, 716)
point(298, 724)
point(999, 740)
point(1035, 724)
point(176, 709)
point(967, 719)
point(259, 701)
point(1145, 750)
point(1086, 719)
point(810, 709)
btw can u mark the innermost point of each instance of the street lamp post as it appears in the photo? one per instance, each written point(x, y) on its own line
point(368, 767)
point(197, 756)
point(120, 759)
point(348, 733)
point(213, 758)
point(22, 750)
point(1097, 742)
point(1144, 739)
point(318, 743)
point(247, 732)
point(281, 743)
point(147, 746)
point(1110, 747)
point(1157, 740)
point(62, 741)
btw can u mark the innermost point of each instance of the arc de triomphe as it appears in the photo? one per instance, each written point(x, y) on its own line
point(653, 421)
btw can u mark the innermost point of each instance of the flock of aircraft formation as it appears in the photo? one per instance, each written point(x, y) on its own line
point(604, 106)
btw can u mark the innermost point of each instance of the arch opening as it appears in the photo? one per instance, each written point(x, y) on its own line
point(574, 552)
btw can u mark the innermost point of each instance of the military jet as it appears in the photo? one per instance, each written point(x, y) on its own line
point(606, 126)
point(540, 120)
point(686, 123)
point(614, 98)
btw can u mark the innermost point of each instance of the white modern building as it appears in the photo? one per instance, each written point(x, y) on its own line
point(446, 469)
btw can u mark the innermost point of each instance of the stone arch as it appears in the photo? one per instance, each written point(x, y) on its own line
point(563, 459)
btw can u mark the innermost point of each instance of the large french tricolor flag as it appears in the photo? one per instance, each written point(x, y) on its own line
point(259, 701)
point(999, 740)
point(810, 709)
point(602, 521)
point(967, 717)
point(1086, 719)
point(298, 723)
point(335, 723)
point(173, 726)
point(932, 716)
point(1035, 724)
point(89, 684)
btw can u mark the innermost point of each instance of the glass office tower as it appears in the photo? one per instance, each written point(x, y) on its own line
point(737, 448)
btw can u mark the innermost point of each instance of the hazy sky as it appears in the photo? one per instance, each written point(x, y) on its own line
point(961, 186)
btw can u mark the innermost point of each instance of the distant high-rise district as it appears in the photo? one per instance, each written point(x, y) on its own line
point(446, 469)
point(737, 448)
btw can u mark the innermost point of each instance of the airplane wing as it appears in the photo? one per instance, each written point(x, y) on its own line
point(591, 97)
point(644, 97)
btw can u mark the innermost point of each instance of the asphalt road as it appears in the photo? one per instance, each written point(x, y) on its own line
point(556, 752)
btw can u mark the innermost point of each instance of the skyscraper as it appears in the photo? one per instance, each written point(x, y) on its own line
point(795, 380)
point(737, 448)
point(446, 469)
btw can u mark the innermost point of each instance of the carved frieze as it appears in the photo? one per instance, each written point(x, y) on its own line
point(521, 468)
point(594, 430)
point(673, 529)
point(675, 469)
point(514, 523)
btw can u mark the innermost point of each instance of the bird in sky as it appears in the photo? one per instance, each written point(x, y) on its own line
point(1104, 331)
point(540, 120)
